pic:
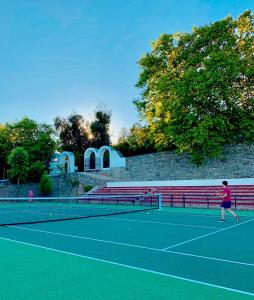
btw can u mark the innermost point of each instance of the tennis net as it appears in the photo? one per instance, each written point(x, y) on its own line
point(17, 211)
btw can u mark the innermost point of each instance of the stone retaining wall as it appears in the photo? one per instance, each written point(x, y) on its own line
point(236, 162)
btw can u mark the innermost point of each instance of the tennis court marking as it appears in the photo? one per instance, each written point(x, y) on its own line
point(208, 234)
point(188, 214)
point(132, 267)
point(38, 212)
point(42, 212)
point(162, 223)
point(132, 245)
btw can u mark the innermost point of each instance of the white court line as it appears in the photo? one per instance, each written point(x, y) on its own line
point(83, 238)
point(163, 223)
point(210, 258)
point(208, 234)
point(133, 267)
point(184, 214)
point(39, 213)
point(129, 245)
point(190, 214)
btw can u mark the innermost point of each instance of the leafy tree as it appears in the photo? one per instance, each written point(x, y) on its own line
point(5, 149)
point(73, 136)
point(18, 161)
point(35, 138)
point(100, 128)
point(139, 140)
point(197, 88)
point(45, 185)
point(35, 171)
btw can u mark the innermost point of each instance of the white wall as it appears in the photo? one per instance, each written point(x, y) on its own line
point(202, 182)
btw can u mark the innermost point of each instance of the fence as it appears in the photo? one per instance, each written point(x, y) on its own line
point(207, 201)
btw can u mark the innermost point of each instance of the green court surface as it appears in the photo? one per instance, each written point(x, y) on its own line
point(166, 254)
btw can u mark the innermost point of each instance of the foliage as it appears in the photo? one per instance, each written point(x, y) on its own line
point(37, 139)
point(5, 148)
point(18, 161)
point(73, 136)
point(87, 188)
point(139, 140)
point(45, 185)
point(198, 88)
point(100, 128)
point(35, 171)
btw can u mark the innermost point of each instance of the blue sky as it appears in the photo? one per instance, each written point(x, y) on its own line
point(60, 56)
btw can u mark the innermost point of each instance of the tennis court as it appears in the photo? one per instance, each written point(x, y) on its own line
point(171, 253)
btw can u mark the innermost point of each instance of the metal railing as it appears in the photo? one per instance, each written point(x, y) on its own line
point(206, 201)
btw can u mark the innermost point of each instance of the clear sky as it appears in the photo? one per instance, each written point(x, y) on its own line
point(64, 56)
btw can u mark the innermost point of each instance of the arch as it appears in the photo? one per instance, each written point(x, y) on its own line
point(106, 159)
point(66, 164)
point(92, 161)
point(62, 162)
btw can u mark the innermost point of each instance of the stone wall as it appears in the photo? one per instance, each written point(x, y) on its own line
point(236, 162)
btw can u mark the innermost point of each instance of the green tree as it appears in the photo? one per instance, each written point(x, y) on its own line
point(100, 127)
point(45, 185)
point(18, 161)
point(73, 136)
point(197, 88)
point(138, 140)
point(35, 171)
point(37, 139)
point(5, 149)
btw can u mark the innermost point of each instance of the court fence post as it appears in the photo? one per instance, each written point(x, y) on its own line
point(160, 200)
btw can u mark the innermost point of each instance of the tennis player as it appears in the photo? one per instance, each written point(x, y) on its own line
point(30, 196)
point(226, 202)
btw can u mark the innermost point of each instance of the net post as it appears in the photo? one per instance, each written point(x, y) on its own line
point(159, 201)
point(235, 202)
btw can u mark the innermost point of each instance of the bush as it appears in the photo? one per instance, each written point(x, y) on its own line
point(35, 171)
point(87, 188)
point(18, 161)
point(45, 185)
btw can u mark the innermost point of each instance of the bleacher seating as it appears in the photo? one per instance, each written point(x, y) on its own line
point(190, 196)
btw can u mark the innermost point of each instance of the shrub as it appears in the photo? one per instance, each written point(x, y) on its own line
point(35, 171)
point(45, 185)
point(87, 188)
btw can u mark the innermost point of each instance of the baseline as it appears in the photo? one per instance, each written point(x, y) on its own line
point(133, 267)
point(208, 234)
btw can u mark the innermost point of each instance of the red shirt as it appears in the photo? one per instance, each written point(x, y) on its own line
point(227, 191)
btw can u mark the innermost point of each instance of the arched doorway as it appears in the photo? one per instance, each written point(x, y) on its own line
point(106, 160)
point(66, 165)
point(92, 161)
